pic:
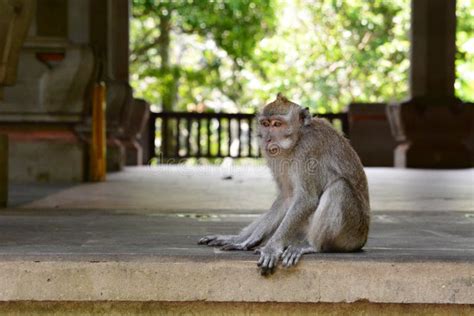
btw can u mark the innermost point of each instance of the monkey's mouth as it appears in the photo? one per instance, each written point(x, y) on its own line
point(273, 149)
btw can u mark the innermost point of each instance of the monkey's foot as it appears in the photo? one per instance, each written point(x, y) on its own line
point(234, 246)
point(248, 244)
point(218, 240)
point(269, 257)
point(292, 254)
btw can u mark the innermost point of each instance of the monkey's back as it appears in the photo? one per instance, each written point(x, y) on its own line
point(336, 157)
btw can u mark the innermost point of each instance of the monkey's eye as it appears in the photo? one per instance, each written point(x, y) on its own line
point(265, 123)
point(277, 123)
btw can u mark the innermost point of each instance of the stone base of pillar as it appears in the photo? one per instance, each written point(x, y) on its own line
point(3, 170)
point(370, 134)
point(133, 153)
point(45, 155)
point(115, 155)
point(432, 133)
point(133, 127)
point(433, 156)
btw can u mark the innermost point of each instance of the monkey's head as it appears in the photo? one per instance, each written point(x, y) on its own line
point(279, 125)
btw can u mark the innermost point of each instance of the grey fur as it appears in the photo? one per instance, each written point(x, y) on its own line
point(323, 199)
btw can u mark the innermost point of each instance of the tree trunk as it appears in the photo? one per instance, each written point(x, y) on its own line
point(169, 82)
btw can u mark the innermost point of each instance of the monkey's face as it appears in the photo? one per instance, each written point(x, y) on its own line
point(277, 134)
point(279, 126)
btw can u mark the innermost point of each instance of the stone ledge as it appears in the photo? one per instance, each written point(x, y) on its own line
point(313, 281)
point(130, 244)
point(224, 308)
point(96, 255)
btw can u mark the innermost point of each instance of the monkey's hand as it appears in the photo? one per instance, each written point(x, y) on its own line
point(218, 240)
point(269, 257)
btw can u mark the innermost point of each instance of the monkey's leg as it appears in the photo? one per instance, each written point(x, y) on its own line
point(341, 221)
point(217, 240)
point(252, 235)
point(287, 232)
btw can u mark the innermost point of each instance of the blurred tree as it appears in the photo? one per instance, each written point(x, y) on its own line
point(178, 47)
point(464, 85)
point(235, 55)
point(332, 52)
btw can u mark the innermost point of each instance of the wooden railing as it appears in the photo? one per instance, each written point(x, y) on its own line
point(177, 135)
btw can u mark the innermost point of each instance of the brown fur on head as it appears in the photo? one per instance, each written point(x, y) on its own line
point(283, 106)
point(280, 106)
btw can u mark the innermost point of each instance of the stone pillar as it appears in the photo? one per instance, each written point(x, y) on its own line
point(79, 21)
point(433, 126)
point(70, 45)
point(134, 128)
point(110, 41)
point(42, 110)
point(119, 92)
point(15, 18)
point(118, 15)
point(433, 48)
point(3, 170)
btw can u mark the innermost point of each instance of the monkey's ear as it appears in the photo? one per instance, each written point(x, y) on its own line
point(305, 116)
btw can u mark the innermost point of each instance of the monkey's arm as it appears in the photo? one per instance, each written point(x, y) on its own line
point(253, 234)
point(299, 212)
point(262, 228)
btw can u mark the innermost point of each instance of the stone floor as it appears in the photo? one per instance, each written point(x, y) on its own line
point(133, 238)
point(95, 235)
point(203, 188)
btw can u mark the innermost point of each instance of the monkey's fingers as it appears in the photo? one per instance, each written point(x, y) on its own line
point(272, 262)
point(291, 259)
point(286, 261)
point(296, 257)
point(260, 261)
point(267, 264)
point(291, 256)
point(216, 243)
point(206, 239)
point(202, 241)
point(266, 271)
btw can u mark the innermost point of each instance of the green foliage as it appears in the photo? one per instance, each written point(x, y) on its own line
point(204, 36)
point(333, 52)
point(465, 50)
point(235, 55)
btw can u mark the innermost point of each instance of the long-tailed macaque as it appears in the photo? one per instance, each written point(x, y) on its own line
point(323, 200)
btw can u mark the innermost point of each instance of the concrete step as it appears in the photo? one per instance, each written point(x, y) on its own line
point(96, 255)
point(128, 246)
